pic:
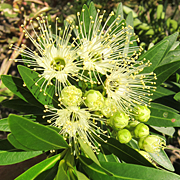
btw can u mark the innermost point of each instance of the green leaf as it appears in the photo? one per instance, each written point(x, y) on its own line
point(161, 92)
point(128, 10)
point(88, 150)
point(22, 106)
point(171, 39)
point(85, 18)
point(30, 77)
point(107, 157)
point(177, 97)
point(164, 71)
point(61, 174)
point(159, 11)
point(165, 130)
point(16, 143)
point(35, 136)
point(171, 57)
point(125, 171)
point(12, 157)
point(34, 171)
point(120, 12)
point(162, 159)
point(92, 10)
point(163, 116)
point(154, 55)
point(4, 126)
point(15, 85)
point(81, 176)
point(123, 152)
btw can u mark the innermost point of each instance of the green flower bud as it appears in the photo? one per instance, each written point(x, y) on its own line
point(142, 113)
point(119, 120)
point(132, 125)
point(124, 136)
point(109, 108)
point(94, 100)
point(141, 130)
point(152, 143)
point(71, 96)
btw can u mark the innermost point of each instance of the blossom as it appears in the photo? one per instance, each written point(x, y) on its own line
point(76, 122)
point(128, 87)
point(55, 56)
point(102, 47)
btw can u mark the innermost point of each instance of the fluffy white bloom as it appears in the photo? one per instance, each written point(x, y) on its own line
point(75, 122)
point(103, 46)
point(55, 56)
point(128, 87)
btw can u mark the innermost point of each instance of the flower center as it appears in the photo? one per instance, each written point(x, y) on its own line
point(58, 63)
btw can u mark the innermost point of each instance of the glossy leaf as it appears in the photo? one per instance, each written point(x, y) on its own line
point(171, 57)
point(154, 55)
point(165, 130)
point(123, 152)
point(125, 171)
point(107, 157)
point(22, 106)
point(162, 159)
point(34, 171)
point(172, 39)
point(164, 71)
point(12, 157)
point(16, 143)
point(81, 176)
point(163, 116)
point(16, 86)
point(92, 10)
point(61, 174)
point(161, 92)
point(120, 12)
point(88, 150)
point(30, 77)
point(177, 97)
point(4, 126)
point(35, 136)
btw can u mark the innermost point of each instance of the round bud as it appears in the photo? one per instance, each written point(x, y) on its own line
point(109, 108)
point(132, 125)
point(119, 120)
point(142, 113)
point(152, 143)
point(124, 136)
point(71, 96)
point(141, 130)
point(94, 100)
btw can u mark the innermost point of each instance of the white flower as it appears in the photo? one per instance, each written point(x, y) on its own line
point(102, 47)
point(54, 54)
point(128, 87)
point(75, 122)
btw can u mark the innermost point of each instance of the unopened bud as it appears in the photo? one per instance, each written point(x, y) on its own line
point(152, 143)
point(71, 96)
point(119, 120)
point(94, 100)
point(142, 113)
point(109, 107)
point(124, 136)
point(141, 130)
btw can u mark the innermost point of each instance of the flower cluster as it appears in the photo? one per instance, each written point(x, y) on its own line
point(97, 75)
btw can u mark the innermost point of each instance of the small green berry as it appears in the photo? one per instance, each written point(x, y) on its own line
point(124, 136)
point(141, 130)
point(142, 113)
